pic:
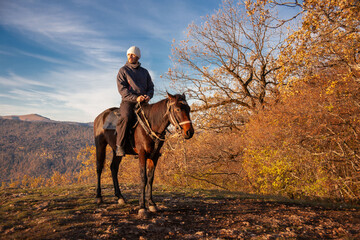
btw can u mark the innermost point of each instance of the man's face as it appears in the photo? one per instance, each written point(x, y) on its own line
point(132, 58)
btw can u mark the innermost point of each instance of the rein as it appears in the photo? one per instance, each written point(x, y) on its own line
point(146, 125)
point(144, 122)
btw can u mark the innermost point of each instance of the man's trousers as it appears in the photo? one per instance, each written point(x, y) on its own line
point(127, 116)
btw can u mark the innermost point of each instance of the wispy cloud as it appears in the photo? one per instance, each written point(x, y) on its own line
point(85, 93)
point(52, 21)
point(54, 26)
point(41, 57)
point(13, 80)
point(8, 53)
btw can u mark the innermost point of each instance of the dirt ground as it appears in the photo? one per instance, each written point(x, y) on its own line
point(188, 215)
point(213, 218)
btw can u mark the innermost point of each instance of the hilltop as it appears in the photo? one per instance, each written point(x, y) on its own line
point(38, 118)
point(28, 117)
point(37, 146)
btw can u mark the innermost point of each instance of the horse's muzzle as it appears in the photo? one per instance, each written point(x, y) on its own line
point(189, 133)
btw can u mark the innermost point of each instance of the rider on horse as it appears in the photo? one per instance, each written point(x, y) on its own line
point(135, 85)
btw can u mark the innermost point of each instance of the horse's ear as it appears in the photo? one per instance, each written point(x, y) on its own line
point(170, 97)
point(184, 96)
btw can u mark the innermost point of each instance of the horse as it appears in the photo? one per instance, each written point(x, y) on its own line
point(146, 143)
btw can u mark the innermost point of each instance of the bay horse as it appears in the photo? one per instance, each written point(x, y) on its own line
point(172, 110)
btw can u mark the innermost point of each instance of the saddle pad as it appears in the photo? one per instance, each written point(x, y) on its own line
point(111, 120)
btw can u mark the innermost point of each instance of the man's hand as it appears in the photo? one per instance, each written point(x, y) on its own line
point(143, 98)
point(147, 98)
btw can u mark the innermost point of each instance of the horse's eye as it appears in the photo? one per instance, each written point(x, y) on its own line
point(177, 109)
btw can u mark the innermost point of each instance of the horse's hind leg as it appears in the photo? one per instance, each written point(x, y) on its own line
point(100, 160)
point(114, 173)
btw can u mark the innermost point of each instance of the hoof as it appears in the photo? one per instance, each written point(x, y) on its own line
point(99, 200)
point(121, 201)
point(142, 213)
point(153, 209)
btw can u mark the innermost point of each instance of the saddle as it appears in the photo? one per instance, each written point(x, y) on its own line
point(111, 120)
point(110, 124)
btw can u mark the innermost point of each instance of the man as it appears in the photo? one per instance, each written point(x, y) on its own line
point(135, 85)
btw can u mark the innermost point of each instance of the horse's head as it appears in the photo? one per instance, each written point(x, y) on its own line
point(180, 114)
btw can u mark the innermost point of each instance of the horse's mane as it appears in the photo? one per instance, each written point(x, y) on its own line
point(155, 112)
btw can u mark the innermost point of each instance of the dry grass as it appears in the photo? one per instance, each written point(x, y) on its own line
point(70, 212)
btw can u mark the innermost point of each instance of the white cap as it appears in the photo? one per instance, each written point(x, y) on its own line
point(134, 50)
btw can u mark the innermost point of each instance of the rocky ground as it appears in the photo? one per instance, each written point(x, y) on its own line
point(71, 213)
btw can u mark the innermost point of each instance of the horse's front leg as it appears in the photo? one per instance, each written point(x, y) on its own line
point(151, 164)
point(143, 181)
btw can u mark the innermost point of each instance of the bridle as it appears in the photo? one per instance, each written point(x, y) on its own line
point(172, 118)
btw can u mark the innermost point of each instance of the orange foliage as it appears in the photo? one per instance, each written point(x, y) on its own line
point(313, 132)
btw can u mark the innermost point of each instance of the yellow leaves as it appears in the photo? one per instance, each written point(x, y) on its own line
point(329, 35)
point(257, 6)
point(270, 171)
point(329, 107)
point(330, 89)
point(319, 120)
point(58, 179)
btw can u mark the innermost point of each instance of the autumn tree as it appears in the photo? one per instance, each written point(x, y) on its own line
point(227, 64)
point(328, 38)
point(322, 63)
point(308, 143)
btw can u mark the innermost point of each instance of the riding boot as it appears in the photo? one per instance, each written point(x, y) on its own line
point(120, 151)
point(126, 116)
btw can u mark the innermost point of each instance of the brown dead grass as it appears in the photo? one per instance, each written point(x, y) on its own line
point(71, 213)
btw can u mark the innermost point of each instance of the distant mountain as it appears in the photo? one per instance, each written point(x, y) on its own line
point(28, 117)
point(37, 146)
point(39, 118)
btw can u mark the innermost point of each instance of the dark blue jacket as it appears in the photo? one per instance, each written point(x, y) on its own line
point(133, 81)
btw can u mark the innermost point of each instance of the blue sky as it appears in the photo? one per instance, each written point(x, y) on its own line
point(60, 59)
